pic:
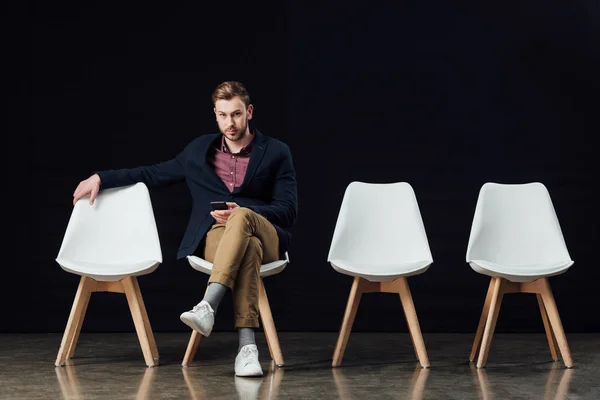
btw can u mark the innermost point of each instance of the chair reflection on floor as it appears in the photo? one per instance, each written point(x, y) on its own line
point(195, 387)
point(265, 388)
point(71, 389)
point(417, 384)
point(551, 392)
point(69, 386)
point(272, 381)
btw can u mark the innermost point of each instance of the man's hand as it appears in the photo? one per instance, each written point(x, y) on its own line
point(221, 216)
point(90, 186)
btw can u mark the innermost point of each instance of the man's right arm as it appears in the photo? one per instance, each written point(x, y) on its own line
point(154, 175)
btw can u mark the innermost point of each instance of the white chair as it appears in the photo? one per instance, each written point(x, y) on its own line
point(380, 240)
point(264, 309)
point(109, 244)
point(516, 240)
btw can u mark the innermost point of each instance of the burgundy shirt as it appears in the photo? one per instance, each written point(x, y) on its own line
point(231, 167)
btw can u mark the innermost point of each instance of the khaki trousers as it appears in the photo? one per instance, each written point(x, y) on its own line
point(237, 250)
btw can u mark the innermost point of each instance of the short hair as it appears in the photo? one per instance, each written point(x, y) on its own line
point(228, 90)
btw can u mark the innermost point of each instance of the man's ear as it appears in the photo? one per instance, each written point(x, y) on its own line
point(250, 110)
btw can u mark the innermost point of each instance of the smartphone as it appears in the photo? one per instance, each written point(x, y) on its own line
point(219, 205)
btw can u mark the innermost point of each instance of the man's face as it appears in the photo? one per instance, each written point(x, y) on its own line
point(232, 117)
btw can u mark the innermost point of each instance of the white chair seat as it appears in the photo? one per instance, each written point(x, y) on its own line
point(108, 272)
point(520, 273)
point(376, 272)
point(272, 268)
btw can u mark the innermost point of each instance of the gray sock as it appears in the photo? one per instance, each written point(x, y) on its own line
point(215, 294)
point(246, 336)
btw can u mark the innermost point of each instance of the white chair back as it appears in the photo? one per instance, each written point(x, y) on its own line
point(516, 225)
point(117, 231)
point(379, 224)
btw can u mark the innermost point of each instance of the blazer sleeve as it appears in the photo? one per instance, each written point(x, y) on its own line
point(160, 174)
point(283, 208)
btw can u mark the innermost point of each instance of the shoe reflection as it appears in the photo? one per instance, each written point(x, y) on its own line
point(553, 390)
point(417, 384)
point(71, 389)
point(265, 387)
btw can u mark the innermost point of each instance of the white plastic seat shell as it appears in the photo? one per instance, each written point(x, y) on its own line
point(113, 238)
point(268, 269)
point(516, 234)
point(379, 234)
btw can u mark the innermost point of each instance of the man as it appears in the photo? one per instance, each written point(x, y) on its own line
point(255, 176)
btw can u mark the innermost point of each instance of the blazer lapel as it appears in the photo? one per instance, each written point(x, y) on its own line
point(258, 151)
point(206, 165)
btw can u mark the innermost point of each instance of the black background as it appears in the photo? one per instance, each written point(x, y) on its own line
point(443, 95)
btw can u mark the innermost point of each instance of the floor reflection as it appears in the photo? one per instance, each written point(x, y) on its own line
point(265, 387)
point(194, 385)
point(557, 384)
point(417, 384)
point(71, 389)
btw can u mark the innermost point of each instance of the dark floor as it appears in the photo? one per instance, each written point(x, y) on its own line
point(376, 366)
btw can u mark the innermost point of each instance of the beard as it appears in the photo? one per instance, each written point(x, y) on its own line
point(238, 134)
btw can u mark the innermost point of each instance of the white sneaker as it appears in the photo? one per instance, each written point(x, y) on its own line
point(200, 318)
point(246, 362)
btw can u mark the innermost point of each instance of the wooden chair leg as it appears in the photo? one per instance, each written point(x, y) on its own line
point(75, 339)
point(412, 321)
point(140, 320)
point(482, 320)
point(84, 290)
point(557, 328)
point(146, 319)
point(192, 347)
point(548, 328)
point(349, 315)
point(490, 325)
point(269, 325)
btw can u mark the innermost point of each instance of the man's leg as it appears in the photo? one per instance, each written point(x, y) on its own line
point(202, 317)
point(243, 225)
point(249, 231)
point(245, 292)
point(237, 250)
point(215, 292)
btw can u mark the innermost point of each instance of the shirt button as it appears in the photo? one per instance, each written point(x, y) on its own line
point(232, 156)
point(231, 184)
point(231, 172)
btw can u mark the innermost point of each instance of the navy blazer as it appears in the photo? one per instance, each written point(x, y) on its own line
point(269, 186)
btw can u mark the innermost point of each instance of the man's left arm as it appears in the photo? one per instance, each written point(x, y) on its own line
point(283, 209)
